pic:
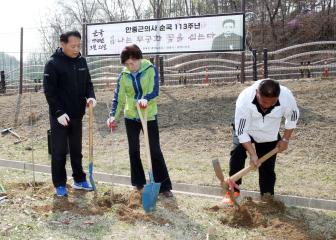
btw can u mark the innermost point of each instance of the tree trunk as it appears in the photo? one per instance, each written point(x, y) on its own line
point(215, 3)
point(272, 15)
point(233, 5)
point(186, 7)
point(135, 10)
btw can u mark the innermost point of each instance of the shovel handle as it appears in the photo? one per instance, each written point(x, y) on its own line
point(143, 120)
point(90, 132)
point(249, 168)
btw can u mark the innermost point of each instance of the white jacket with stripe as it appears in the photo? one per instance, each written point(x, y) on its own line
point(250, 122)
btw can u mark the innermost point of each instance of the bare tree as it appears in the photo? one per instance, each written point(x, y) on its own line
point(136, 10)
point(234, 5)
point(69, 15)
point(123, 10)
point(186, 7)
point(51, 27)
point(268, 17)
point(216, 7)
point(80, 9)
point(108, 10)
point(272, 10)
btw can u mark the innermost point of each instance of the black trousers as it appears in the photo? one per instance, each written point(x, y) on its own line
point(60, 137)
point(267, 174)
point(160, 171)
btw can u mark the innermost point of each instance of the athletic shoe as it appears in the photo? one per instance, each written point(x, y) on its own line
point(227, 199)
point(82, 186)
point(61, 191)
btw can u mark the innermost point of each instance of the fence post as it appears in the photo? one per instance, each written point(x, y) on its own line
point(242, 66)
point(265, 63)
point(255, 71)
point(206, 76)
point(302, 70)
point(237, 73)
point(180, 76)
point(308, 69)
point(161, 71)
point(21, 61)
point(84, 38)
point(3, 82)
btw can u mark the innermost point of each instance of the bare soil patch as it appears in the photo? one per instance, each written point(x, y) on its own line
point(129, 208)
point(268, 215)
point(116, 213)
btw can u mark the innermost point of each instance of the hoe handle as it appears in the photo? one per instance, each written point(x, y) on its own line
point(15, 134)
point(249, 168)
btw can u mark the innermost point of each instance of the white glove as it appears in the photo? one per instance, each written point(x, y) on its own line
point(94, 102)
point(142, 103)
point(64, 119)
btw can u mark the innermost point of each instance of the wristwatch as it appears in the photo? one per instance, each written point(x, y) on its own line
point(285, 140)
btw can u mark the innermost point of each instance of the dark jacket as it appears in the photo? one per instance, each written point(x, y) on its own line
point(67, 84)
point(233, 42)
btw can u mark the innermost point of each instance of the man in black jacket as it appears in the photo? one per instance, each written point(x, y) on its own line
point(68, 89)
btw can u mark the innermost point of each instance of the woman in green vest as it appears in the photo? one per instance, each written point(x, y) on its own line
point(138, 83)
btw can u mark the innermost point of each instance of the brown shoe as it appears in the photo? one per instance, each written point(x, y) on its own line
point(168, 194)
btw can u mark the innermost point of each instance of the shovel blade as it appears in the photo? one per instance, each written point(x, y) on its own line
point(93, 185)
point(2, 190)
point(149, 196)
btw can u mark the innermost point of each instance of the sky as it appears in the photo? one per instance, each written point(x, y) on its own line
point(22, 13)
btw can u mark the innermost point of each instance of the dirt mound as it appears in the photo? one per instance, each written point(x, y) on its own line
point(64, 205)
point(129, 215)
point(26, 186)
point(130, 209)
point(250, 213)
point(110, 198)
point(238, 217)
point(268, 215)
point(37, 190)
point(129, 205)
point(134, 201)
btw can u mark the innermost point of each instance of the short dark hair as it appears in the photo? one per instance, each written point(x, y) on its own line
point(130, 51)
point(229, 21)
point(65, 36)
point(269, 88)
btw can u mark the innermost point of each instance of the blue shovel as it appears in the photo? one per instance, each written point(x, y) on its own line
point(151, 190)
point(91, 147)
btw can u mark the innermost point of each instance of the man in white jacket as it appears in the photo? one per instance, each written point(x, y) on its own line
point(259, 111)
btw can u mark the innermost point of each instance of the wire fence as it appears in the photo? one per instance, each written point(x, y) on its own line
point(309, 60)
point(194, 120)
